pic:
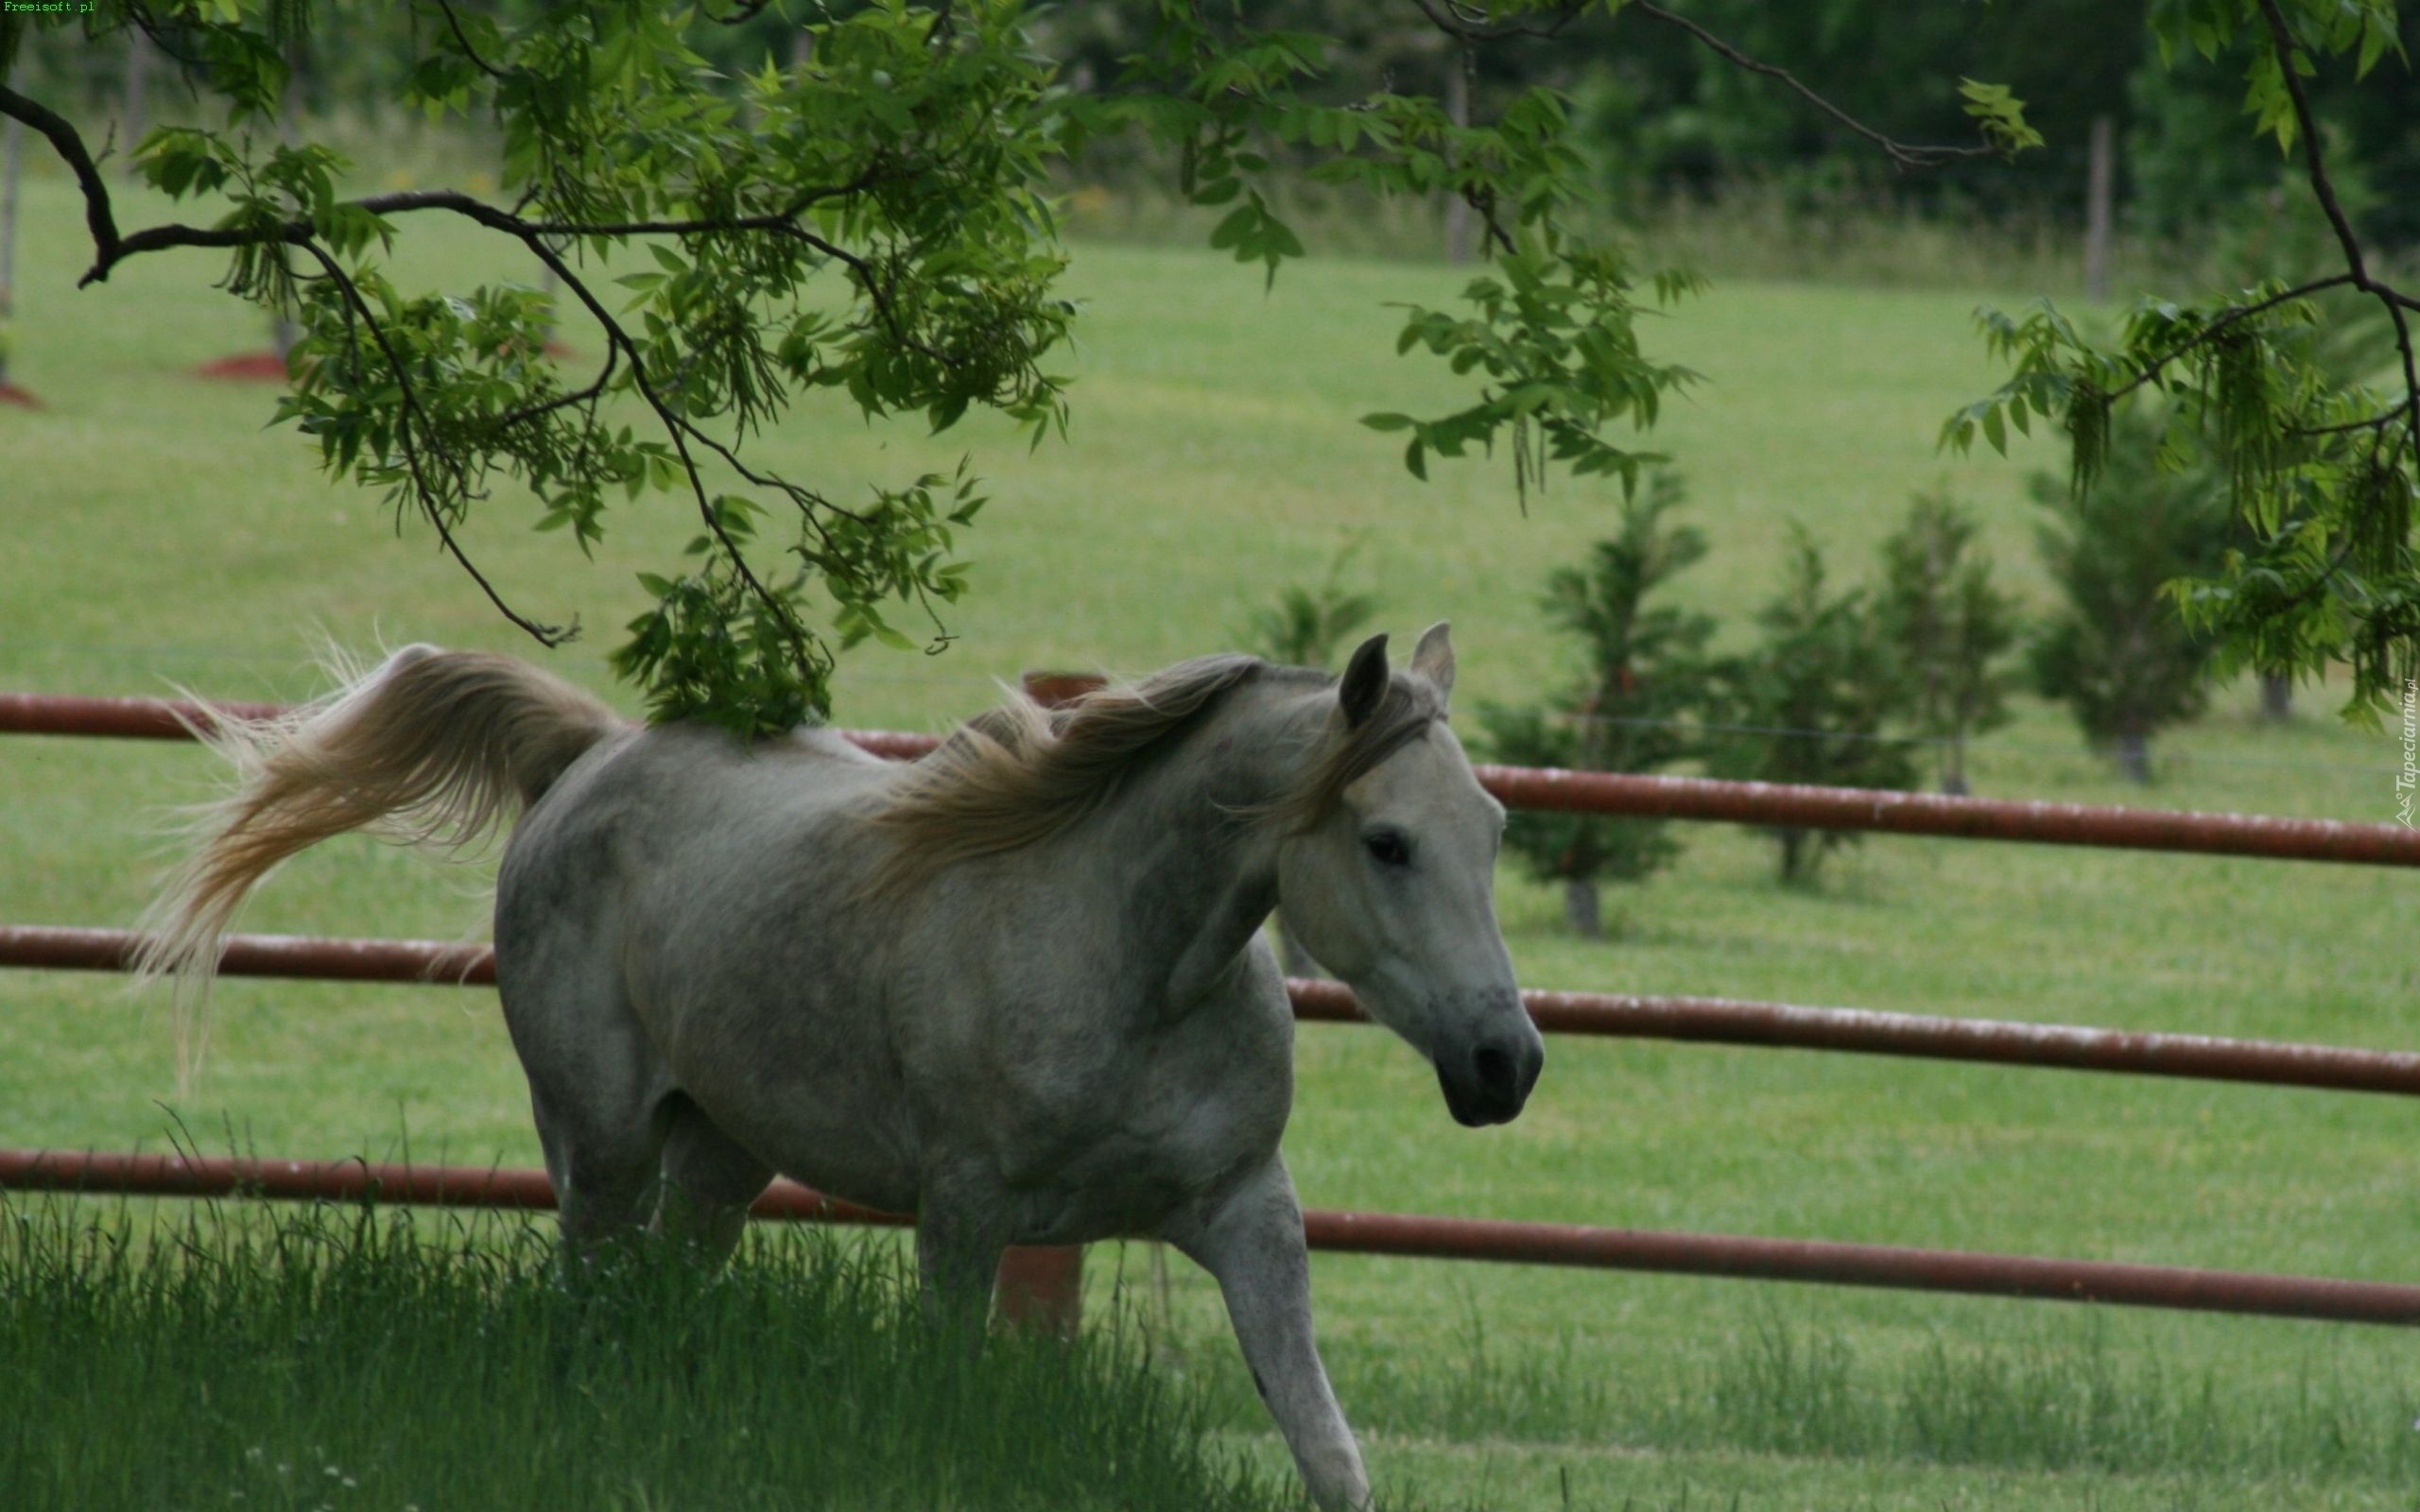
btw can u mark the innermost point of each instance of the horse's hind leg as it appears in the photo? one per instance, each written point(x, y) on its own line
point(600, 1092)
point(708, 1184)
point(603, 1168)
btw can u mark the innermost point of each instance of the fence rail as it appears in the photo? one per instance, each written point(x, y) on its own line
point(1673, 797)
point(1610, 1014)
point(1410, 1235)
point(1703, 1019)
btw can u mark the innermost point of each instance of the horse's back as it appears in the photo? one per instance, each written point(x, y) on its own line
point(691, 892)
point(687, 824)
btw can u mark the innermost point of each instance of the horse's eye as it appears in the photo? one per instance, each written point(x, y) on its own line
point(1387, 849)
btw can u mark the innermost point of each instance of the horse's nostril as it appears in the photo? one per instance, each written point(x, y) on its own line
point(1496, 1071)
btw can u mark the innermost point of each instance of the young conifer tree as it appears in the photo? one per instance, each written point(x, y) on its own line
point(1809, 705)
point(2115, 652)
point(1951, 627)
point(1643, 676)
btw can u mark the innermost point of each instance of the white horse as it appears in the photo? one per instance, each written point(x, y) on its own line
point(1017, 988)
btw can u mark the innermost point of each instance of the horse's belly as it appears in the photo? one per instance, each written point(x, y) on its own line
point(830, 1168)
point(843, 1147)
point(812, 1094)
point(1130, 1178)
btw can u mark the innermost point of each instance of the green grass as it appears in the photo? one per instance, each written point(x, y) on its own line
point(156, 531)
point(346, 1358)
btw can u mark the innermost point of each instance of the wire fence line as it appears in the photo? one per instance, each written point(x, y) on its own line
point(306, 663)
point(1998, 747)
point(2169, 754)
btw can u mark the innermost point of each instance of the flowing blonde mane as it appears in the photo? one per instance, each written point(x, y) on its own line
point(1018, 774)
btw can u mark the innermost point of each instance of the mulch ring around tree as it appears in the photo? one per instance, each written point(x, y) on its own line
point(248, 366)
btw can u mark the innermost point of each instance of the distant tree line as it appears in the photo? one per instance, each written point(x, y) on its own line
point(1667, 114)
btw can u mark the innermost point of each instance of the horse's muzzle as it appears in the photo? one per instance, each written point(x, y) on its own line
point(1488, 1081)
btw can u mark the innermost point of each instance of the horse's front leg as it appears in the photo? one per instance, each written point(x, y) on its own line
point(962, 1230)
point(1251, 1241)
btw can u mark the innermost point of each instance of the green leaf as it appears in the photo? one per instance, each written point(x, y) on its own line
point(1239, 224)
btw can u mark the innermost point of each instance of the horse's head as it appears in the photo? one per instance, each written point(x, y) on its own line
point(1393, 884)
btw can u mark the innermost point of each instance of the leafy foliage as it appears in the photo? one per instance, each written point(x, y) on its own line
point(2115, 652)
point(1644, 670)
point(1950, 627)
point(2322, 466)
point(1811, 700)
point(865, 227)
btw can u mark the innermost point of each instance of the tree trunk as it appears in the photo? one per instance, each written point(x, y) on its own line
point(2276, 698)
point(138, 78)
point(1583, 908)
point(1793, 852)
point(2135, 755)
point(1459, 223)
point(1953, 772)
point(2096, 217)
point(281, 327)
point(12, 159)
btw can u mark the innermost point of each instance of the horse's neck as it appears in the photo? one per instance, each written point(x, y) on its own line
point(1206, 878)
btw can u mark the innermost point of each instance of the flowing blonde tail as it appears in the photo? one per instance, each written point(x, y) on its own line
point(429, 745)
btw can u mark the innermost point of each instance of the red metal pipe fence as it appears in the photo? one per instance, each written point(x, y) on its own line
point(1620, 1016)
point(1890, 811)
point(1363, 1233)
point(1677, 797)
point(1048, 1291)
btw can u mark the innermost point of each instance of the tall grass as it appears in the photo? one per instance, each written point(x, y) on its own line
point(2063, 1401)
point(325, 1357)
point(1755, 230)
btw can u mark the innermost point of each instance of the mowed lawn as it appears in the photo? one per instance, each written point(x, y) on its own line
point(155, 531)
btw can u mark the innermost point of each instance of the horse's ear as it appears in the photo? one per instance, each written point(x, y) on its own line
point(1433, 658)
point(1364, 683)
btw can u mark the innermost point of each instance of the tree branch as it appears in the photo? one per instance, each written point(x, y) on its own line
point(108, 255)
point(98, 218)
point(109, 248)
point(2215, 328)
point(1905, 155)
point(1470, 23)
point(547, 407)
point(680, 430)
point(546, 635)
point(2376, 422)
point(454, 24)
point(2281, 37)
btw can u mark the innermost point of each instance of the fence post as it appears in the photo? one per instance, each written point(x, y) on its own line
point(1041, 1286)
point(2100, 176)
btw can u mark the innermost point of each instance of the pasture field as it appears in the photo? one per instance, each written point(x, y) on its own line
point(155, 531)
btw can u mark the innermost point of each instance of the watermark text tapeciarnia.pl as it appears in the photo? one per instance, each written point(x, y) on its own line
point(2406, 779)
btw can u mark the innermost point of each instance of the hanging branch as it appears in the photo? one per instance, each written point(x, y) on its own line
point(2395, 302)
